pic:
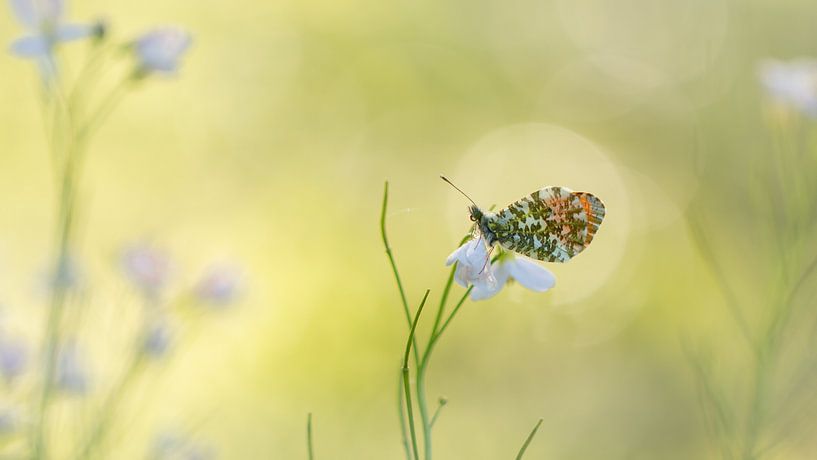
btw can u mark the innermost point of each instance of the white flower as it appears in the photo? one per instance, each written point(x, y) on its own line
point(71, 375)
point(219, 286)
point(160, 50)
point(525, 271)
point(44, 21)
point(792, 84)
point(147, 267)
point(474, 268)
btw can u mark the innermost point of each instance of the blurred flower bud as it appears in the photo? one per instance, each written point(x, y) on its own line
point(100, 29)
point(157, 339)
point(71, 375)
point(219, 286)
point(147, 267)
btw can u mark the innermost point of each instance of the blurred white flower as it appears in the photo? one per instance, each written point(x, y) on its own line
point(71, 374)
point(44, 22)
point(161, 50)
point(526, 272)
point(474, 268)
point(219, 286)
point(791, 84)
point(147, 267)
point(13, 359)
point(158, 339)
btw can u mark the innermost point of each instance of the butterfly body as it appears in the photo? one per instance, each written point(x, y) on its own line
point(553, 224)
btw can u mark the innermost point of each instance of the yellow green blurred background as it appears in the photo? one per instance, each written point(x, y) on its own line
point(271, 148)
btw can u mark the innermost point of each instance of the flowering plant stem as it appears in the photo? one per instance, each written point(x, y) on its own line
point(421, 359)
point(406, 381)
point(68, 142)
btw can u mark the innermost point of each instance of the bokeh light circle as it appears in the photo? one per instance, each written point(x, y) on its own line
point(683, 39)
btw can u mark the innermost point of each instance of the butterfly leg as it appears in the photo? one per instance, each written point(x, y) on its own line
point(487, 259)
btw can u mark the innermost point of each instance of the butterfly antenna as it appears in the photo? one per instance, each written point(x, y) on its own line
point(458, 189)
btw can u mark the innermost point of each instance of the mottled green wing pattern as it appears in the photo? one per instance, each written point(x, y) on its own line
point(552, 224)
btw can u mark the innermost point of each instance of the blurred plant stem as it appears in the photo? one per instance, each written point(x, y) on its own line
point(785, 210)
point(71, 129)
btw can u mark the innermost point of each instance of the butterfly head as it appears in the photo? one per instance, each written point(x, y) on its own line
point(476, 213)
point(481, 220)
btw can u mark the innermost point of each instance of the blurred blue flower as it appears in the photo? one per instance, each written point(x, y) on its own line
point(161, 50)
point(791, 84)
point(10, 421)
point(13, 359)
point(169, 446)
point(488, 278)
point(158, 339)
point(44, 22)
point(147, 267)
point(220, 285)
point(71, 374)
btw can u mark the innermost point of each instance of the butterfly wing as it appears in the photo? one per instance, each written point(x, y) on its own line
point(552, 224)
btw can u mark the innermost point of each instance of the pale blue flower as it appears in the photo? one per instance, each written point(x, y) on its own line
point(147, 267)
point(161, 50)
point(71, 374)
point(791, 84)
point(45, 27)
point(219, 286)
point(13, 358)
point(487, 278)
point(169, 446)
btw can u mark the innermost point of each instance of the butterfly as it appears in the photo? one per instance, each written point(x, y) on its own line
point(552, 224)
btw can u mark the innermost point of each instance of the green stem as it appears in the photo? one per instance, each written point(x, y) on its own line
point(528, 440)
point(442, 404)
point(309, 436)
point(401, 411)
point(59, 292)
point(393, 264)
point(406, 382)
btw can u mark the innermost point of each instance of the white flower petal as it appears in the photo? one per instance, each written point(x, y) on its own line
point(791, 84)
point(530, 274)
point(457, 254)
point(31, 47)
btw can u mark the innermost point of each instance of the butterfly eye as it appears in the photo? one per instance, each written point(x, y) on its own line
point(473, 219)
